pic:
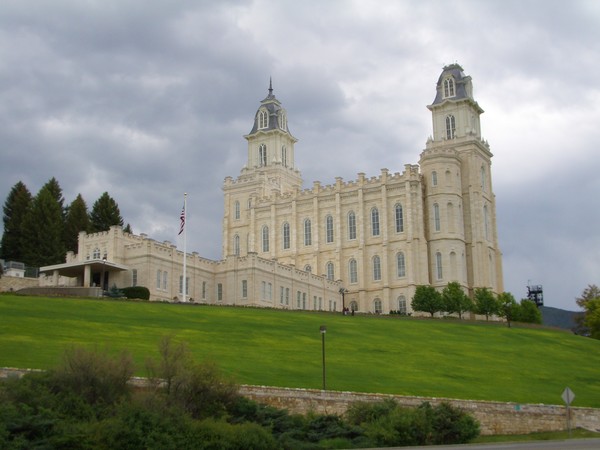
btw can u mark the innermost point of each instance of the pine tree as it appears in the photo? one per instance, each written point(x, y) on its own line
point(105, 213)
point(77, 220)
point(16, 206)
point(43, 230)
point(56, 191)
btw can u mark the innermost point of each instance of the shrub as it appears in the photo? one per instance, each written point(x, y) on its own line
point(140, 292)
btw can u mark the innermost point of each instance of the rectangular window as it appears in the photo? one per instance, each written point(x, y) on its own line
point(329, 229)
point(244, 288)
point(286, 236)
point(165, 280)
point(307, 232)
point(438, 264)
point(204, 289)
point(158, 278)
point(351, 226)
point(375, 222)
point(281, 295)
point(270, 291)
point(263, 290)
point(298, 299)
point(187, 284)
point(287, 296)
point(219, 292)
point(134, 277)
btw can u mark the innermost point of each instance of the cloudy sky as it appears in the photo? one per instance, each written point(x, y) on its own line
point(151, 99)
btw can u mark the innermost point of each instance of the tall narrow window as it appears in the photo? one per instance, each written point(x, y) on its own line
point(134, 277)
point(237, 210)
point(286, 236)
point(281, 295)
point(486, 223)
point(204, 289)
point(263, 119)
point(353, 272)
point(450, 127)
point(330, 271)
point(451, 217)
point(158, 278)
point(282, 121)
point(284, 156)
point(187, 285)
point(402, 305)
point(298, 299)
point(236, 245)
point(377, 306)
point(401, 265)
point(265, 238)
point(376, 268)
point(329, 229)
point(262, 155)
point(483, 179)
point(399, 218)
point(287, 296)
point(307, 232)
point(436, 217)
point(165, 280)
point(219, 292)
point(449, 88)
point(375, 222)
point(244, 288)
point(351, 225)
point(438, 266)
point(434, 180)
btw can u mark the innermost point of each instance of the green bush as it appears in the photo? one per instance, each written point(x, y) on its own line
point(138, 292)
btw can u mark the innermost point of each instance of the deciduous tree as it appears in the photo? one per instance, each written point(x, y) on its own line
point(455, 300)
point(508, 307)
point(485, 302)
point(528, 312)
point(427, 299)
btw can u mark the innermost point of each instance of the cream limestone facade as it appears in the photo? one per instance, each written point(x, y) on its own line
point(382, 236)
point(364, 244)
point(124, 259)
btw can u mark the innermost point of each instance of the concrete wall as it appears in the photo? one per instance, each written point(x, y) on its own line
point(494, 417)
point(8, 283)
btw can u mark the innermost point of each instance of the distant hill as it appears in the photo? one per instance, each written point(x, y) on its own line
point(556, 317)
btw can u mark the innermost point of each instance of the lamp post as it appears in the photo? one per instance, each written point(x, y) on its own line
point(102, 277)
point(343, 291)
point(323, 330)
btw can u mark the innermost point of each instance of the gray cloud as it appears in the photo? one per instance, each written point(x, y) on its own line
point(148, 101)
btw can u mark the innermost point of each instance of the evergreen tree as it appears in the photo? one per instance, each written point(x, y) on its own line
point(43, 231)
point(56, 191)
point(455, 300)
point(105, 213)
point(427, 299)
point(485, 302)
point(77, 220)
point(16, 206)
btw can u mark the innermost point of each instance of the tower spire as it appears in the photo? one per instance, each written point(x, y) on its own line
point(270, 87)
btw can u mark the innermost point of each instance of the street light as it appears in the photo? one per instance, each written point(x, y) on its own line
point(343, 291)
point(323, 330)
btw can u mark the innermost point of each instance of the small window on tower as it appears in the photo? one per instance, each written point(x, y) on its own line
point(263, 119)
point(449, 88)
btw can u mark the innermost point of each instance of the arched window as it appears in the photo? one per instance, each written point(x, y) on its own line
point(399, 218)
point(353, 271)
point(375, 222)
point(449, 90)
point(436, 217)
point(377, 306)
point(236, 245)
point(237, 210)
point(376, 268)
point(450, 127)
point(265, 238)
point(438, 266)
point(263, 119)
point(351, 225)
point(402, 305)
point(330, 271)
point(282, 120)
point(329, 229)
point(353, 305)
point(454, 267)
point(286, 236)
point(434, 178)
point(451, 217)
point(284, 156)
point(307, 232)
point(262, 155)
point(401, 265)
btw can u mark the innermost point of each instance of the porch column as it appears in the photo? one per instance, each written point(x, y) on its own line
point(55, 278)
point(87, 275)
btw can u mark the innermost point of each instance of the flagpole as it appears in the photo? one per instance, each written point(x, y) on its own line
point(184, 287)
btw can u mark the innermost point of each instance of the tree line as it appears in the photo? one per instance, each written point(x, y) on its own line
point(88, 402)
point(40, 229)
point(588, 324)
point(453, 300)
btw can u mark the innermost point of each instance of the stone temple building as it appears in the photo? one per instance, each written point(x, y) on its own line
point(364, 244)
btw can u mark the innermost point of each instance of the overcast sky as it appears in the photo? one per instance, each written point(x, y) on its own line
point(151, 99)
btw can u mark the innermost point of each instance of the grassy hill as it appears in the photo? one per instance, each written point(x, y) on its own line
point(385, 354)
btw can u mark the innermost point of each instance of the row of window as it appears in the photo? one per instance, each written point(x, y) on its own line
point(262, 156)
point(377, 305)
point(483, 178)
point(329, 229)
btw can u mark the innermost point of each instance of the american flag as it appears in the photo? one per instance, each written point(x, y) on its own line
point(182, 216)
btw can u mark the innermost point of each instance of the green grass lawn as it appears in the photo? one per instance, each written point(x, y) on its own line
point(386, 354)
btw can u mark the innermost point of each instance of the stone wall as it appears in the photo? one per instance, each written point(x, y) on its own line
point(494, 417)
point(8, 283)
